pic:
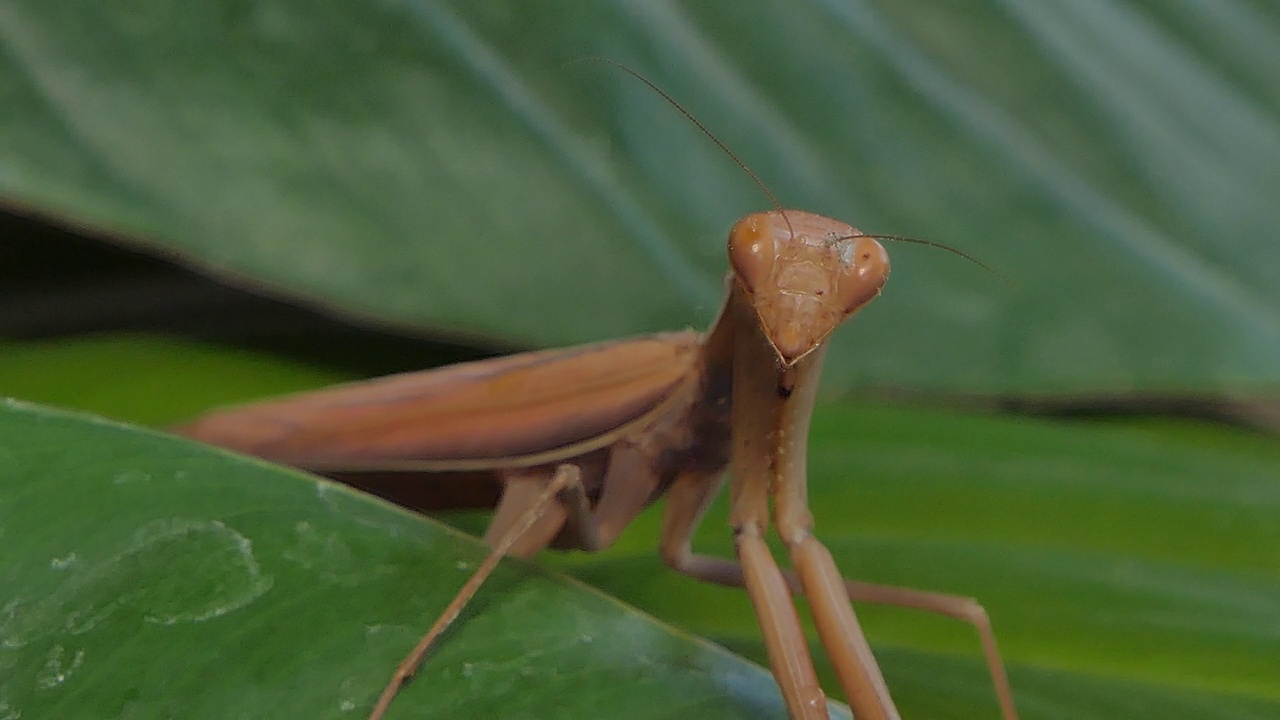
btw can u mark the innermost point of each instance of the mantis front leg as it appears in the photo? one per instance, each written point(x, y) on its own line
point(772, 404)
point(770, 432)
point(819, 577)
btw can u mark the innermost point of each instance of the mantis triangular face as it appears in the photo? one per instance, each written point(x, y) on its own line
point(805, 274)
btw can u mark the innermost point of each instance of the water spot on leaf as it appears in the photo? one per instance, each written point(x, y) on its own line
point(172, 571)
point(213, 571)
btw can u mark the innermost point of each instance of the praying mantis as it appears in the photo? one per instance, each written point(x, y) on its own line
point(583, 439)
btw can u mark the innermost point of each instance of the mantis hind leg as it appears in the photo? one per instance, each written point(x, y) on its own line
point(539, 506)
point(529, 512)
point(722, 571)
point(964, 609)
point(686, 503)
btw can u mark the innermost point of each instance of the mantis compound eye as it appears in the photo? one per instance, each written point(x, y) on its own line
point(864, 268)
point(752, 251)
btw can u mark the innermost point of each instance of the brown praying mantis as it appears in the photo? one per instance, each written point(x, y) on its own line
point(583, 439)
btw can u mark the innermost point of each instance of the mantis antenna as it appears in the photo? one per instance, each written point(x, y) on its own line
point(756, 178)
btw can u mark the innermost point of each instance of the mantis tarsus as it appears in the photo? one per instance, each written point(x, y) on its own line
point(585, 438)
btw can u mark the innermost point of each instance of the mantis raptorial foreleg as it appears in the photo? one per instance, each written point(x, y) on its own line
point(772, 405)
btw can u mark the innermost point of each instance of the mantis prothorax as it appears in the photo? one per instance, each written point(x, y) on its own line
point(585, 438)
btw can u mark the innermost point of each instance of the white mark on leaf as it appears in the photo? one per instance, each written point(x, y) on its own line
point(329, 556)
point(63, 563)
point(58, 667)
point(8, 711)
point(345, 702)
point(129, 477)
point(9, 639)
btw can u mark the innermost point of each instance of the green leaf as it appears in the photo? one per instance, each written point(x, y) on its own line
point(144, 577)
point(438, 163)
point(1128, 570)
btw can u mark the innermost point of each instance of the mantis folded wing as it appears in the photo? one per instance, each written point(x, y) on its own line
point(583, 439)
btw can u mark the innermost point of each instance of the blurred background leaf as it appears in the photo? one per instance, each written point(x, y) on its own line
point(437, 163)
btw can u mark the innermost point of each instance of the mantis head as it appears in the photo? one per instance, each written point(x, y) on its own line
point(804, 274)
